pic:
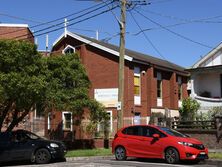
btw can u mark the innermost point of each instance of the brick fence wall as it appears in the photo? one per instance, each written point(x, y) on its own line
point(208, 137)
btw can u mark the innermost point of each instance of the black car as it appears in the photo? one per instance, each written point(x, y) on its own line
point(24, 145)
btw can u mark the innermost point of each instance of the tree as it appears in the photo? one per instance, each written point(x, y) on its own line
point(28, 80)
point(189, 109)
point(68, 87)
point(22, 81)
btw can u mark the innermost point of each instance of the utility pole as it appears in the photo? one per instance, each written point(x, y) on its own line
point(122, 24)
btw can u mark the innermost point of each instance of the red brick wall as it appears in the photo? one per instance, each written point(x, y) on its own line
point(102, 70)
point(20, 33)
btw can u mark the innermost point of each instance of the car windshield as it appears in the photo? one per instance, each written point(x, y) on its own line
point(172, 132)
point(32, 136)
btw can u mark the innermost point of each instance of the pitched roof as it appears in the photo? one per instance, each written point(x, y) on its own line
point(207, 56)
point(129, 54)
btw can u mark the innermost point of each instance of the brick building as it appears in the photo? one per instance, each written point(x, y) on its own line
point(16, 31)
point(152, 85)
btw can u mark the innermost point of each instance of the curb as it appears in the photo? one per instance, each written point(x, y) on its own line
point(89, 158)
point(216, 162)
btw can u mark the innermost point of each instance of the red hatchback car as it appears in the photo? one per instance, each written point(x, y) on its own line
point(147, 141)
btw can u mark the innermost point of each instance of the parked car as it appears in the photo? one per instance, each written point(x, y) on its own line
point(148, 141)
point(24, 145)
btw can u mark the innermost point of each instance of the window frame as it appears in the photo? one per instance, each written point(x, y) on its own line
point(64, 122)
point(137, 75)
point(68, 47)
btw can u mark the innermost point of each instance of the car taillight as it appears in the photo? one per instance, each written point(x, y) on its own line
point(115, 136)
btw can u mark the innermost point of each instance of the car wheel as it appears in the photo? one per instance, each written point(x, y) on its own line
point(120, 153)
point(42, 156)
point(172, 156)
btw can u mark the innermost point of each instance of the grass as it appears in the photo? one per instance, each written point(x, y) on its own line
point(215, 155)
point(89, 152)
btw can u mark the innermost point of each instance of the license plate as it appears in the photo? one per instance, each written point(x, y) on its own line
point(202, 153)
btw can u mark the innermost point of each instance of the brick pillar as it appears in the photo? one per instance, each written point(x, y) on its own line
point(83, 53)
point(173, 92)
point(151, 90)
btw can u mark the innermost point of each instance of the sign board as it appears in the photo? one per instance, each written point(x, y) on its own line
point(108, 97)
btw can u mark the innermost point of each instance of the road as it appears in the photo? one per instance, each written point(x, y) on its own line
point(113, 163)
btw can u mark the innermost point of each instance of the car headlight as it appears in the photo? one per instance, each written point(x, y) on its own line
point(185, 143)
point(54, 145)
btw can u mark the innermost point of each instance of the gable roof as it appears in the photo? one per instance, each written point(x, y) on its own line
point(207, 56)
point(130, 55)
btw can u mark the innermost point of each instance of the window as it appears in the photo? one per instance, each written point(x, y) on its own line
point(137, 86)
point(39, 111)
point(68, 50)
point(180, 88)
point(149, 132)
point(67, 120)
point(49, 120)
point(159, 85)
point(134, 130)
point(110, 120)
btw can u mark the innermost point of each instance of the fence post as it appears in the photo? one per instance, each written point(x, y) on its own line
point(218, 123)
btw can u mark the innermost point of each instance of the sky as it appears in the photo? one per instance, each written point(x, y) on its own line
point(179, 31)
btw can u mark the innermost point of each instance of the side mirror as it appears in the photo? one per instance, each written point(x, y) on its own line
point(156, 136)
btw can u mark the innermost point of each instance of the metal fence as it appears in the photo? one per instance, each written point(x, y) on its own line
point(210, 124)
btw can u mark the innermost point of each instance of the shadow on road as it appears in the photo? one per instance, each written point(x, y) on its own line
point(162, 161)
point(24, 163)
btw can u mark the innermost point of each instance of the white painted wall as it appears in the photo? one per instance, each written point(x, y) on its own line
point(208, 82)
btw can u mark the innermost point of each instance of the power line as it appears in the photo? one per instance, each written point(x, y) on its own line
point(175, 33)
point(77, 17)
point(146, 37)
point(201, 20)
point(159, 1)
point(53, 25)
point(70, 24)
point(19, 18)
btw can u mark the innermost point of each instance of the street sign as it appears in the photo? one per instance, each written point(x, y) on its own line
point(118, 106)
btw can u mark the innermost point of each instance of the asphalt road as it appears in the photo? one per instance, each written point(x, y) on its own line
point(112, 163)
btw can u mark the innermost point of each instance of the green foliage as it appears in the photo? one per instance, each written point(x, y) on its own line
point(98, 116)
point(22, 79)
point(68, 83)
point(27, 80)
point(215, 111)
point(189, 109)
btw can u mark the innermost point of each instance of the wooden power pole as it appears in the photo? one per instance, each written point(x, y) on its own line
point(122, 24)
